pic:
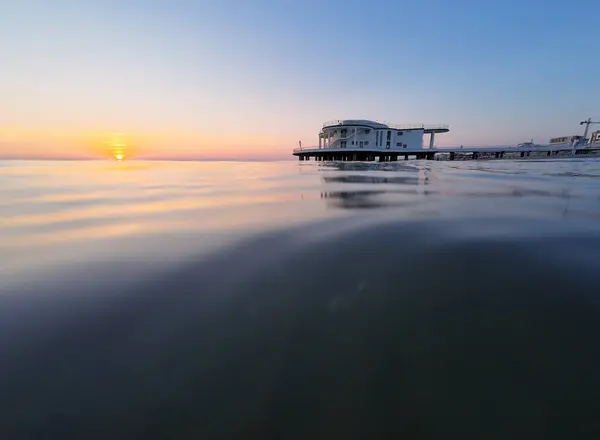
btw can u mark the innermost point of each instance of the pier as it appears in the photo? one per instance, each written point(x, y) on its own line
point(462, 153)
point(368, 141)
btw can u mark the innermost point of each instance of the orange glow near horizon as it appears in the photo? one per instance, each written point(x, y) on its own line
point(43, 143)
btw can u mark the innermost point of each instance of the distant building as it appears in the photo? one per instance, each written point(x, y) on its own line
point(528, 145)
point(566, 140)
point(595, 138)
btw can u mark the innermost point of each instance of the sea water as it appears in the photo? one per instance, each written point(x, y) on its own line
point(300, 300)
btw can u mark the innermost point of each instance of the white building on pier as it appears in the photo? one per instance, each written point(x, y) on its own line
point(365, 135)
point(566, 140)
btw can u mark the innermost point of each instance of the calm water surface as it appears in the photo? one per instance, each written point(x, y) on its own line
point(85, 211)
point(300, 300)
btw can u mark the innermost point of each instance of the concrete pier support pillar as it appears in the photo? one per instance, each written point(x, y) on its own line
point(522, 154)
point(549, 153)
point(394, 157)
point(475, 155)
point(502, 154)
point(497, 154)
point(452, 156)
point(430, 156)
point(406, 157)
point(528, 153)
point(431, 138)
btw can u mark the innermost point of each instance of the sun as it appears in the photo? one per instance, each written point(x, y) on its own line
point(117, 145)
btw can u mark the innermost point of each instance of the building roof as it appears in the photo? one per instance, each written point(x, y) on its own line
point(431, 128)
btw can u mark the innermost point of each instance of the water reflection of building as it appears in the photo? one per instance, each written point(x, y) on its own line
point(354, 199)
point(398, 180)
point(393, 188)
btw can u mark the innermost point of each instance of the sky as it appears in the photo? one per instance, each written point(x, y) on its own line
point(248, 79)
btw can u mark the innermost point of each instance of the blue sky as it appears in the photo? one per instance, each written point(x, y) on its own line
point(237, 78)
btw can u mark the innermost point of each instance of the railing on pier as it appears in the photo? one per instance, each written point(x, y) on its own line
point(316, 147)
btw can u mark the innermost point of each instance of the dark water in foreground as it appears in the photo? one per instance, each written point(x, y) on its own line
point(293, 301)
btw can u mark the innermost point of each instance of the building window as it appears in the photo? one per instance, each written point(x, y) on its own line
point(343, 144)
point(400, 133)
point(352, 142)
point(398, 144)
point(367, 131)
point(404, 146)
point(366, 142)
point(389, 135)
point(387, 145)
